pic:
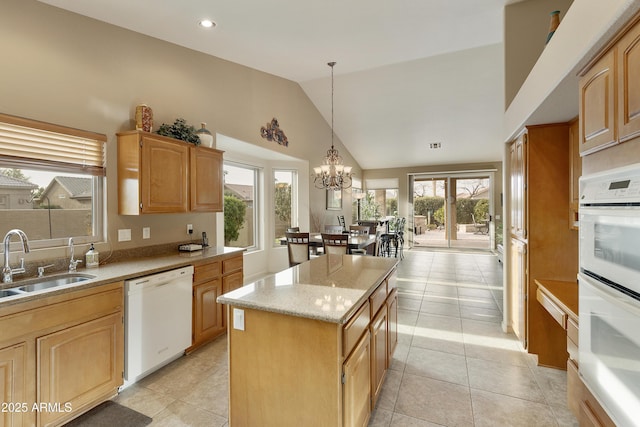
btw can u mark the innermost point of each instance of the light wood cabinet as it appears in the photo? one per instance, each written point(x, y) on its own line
point(205, 180)
point(13, 387)
point(518, 186)
point(547, 247)
point(210, 280)
point(598, 100)
point(392, 329)
point(628, 61)
point(65, 348)
point(518, 284)
point(357, 384)
point(157, 174)
point(575, 171)
point(610, 95)
point(76, 365)
point(379, 353)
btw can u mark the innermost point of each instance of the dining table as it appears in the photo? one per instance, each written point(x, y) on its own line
point(354, 242)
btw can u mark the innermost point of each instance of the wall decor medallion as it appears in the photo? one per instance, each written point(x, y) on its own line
point(272, 132)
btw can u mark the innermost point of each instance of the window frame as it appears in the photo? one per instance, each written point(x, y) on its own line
point(294, 200)
point(257, 198)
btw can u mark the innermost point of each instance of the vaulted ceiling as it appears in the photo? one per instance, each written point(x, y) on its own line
point(409, 73)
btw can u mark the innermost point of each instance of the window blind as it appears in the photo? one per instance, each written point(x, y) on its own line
point(28, 143)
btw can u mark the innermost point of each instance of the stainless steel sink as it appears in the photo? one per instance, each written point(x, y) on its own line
point(8, 293)
point(54, 281)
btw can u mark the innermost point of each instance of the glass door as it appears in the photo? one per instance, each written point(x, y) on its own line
point(453, 211)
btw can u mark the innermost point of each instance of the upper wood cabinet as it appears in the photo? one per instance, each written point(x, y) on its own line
point(157, 174)
point(628, 60)
point(205, 181)
point(610, 95)
point(518, 187)
point(598, 98)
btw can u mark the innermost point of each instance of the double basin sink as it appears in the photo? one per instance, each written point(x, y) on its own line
point(43, 283)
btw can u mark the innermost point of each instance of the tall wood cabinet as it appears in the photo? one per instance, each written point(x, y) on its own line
point(157, 174)
point(542, 242)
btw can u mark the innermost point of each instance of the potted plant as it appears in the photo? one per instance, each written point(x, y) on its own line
point(180, 130)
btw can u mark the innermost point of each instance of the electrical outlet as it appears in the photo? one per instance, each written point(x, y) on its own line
point(146, 232)
point(189, 228)
point(124, 235)
point(238, 319)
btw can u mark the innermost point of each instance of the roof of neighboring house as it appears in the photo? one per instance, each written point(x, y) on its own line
point(76, 187)
point(9, 182)
point(243, 192)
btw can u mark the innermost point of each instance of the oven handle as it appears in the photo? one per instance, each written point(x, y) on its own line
point(611, 295)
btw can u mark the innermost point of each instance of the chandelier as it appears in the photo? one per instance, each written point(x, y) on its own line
point(332, 174)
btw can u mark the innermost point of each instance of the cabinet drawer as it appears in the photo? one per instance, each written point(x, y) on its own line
point(378, 298)
point(231, 282)
point(232, 264)
point(572, 349)
point(354, 328)
point(392, 281)
point(552, 308)
point(206, 272)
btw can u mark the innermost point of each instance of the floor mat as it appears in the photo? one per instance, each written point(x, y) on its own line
point(109, 414)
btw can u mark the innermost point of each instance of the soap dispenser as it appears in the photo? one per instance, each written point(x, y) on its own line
point(91, 257)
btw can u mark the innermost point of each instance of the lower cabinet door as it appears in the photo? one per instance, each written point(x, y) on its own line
point(356, 388)
point(378, 354)
point(392, 322)
point(78, 366)
point(207, 314)
point(13, 385)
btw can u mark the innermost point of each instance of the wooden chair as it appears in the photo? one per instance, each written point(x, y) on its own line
point(359, 230)
point(333, 229)
point(373, 225)
point(335, 244)
point(298, 247)
point(293, 229)
point(342, 223)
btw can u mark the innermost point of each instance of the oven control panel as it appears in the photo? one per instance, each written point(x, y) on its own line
point(616, 186)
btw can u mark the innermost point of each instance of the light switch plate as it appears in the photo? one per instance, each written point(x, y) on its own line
point(238, 319)
point(146, 232)
point(124, 235)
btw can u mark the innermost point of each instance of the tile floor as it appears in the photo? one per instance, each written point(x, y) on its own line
point(453, 366)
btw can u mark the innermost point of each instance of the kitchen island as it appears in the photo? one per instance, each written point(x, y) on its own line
point(311, 345)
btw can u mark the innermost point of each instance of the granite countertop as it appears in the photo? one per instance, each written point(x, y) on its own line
point(121, 270)
point(328, 288)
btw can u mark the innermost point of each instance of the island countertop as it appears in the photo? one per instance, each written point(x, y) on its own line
point(327, 288)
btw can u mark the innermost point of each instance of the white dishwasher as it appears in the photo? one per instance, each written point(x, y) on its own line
point(157, 321)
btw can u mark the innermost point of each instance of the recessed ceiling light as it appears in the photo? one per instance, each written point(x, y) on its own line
point(207, 23)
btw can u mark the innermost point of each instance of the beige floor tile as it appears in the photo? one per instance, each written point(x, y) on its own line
point(183, 414)
point(144, 400)
point(508, 353)
point(443, 309)
point(509, 380)
point(211, 394)
point(495, 410)
point(437, 365)
point(400, 420)
point(434, 401)
point(390, 387)
point(481, 314)
point(380, 417)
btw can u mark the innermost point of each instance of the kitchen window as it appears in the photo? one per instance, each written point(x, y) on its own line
point(51, 182)
point(284, 202)
point(241, 205)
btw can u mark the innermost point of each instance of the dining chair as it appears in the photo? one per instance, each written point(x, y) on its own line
point(293, 229)
point(341, 222)
point(373, 225)
point(360, 230)
point(333, 229)
point(335, 244)
point(297, 247)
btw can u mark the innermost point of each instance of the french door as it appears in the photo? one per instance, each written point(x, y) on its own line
point(452, 210)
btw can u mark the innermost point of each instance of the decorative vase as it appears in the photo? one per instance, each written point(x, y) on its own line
point(206, 138)
point(144, 118)
point(553, 25)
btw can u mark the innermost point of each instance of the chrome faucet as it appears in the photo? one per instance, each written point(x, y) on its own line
point(73, 263)
point(7, 271)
